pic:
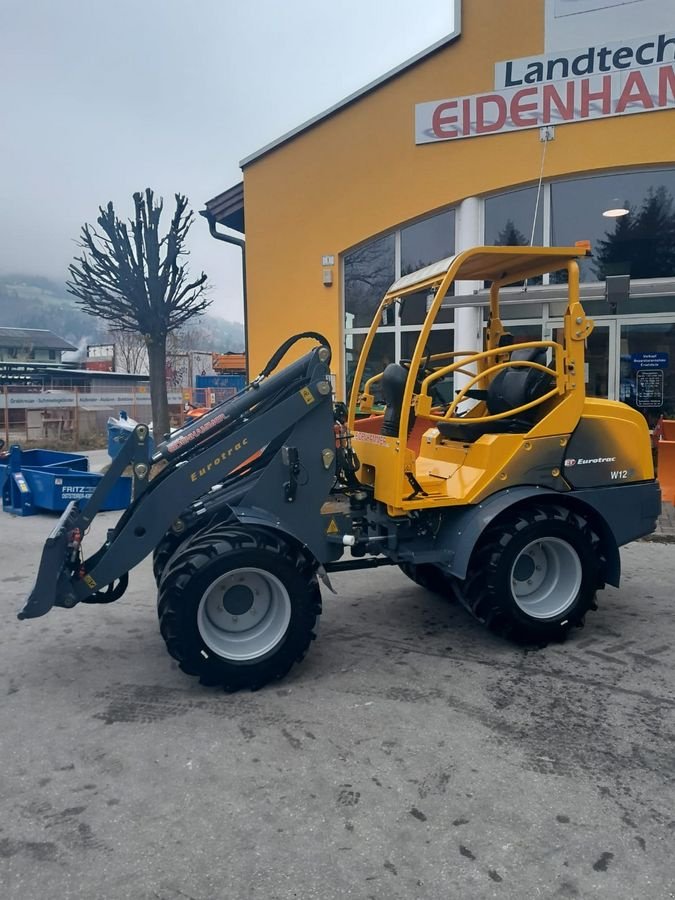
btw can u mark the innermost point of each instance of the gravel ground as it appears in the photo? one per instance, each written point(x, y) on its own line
point(412, 754)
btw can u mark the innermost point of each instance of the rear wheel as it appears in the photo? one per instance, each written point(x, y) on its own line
point(535, 573)
point(238, 607)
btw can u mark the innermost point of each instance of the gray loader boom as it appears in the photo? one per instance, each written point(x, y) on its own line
point(269, 437)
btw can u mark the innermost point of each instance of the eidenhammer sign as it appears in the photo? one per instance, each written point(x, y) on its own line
point(596, 82)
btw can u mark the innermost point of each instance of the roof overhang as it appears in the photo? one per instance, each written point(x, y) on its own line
point(227, 208)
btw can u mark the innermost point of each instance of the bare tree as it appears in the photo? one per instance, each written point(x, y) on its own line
point(134, 278)
point(130, 350)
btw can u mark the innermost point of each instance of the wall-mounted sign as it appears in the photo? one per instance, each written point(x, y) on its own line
point(597, 82)
point(649, 388)
point(650, 360)
point(66, 400)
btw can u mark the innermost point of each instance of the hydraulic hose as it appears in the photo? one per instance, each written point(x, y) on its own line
point(279, 354)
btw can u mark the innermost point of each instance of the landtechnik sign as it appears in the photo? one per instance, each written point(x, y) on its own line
point(593, 82)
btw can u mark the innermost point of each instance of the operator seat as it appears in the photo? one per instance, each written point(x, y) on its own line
point(510, 388)
point(393, 382)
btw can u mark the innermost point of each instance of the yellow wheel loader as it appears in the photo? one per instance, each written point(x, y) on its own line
point(485, 475)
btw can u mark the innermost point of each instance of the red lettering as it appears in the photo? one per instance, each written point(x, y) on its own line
point(518, 107)
point(483, 123)
point(666, 81)
point(466, 117)
point(564, 109)
point(440, 121)
point(587, 96)
point(634, 91)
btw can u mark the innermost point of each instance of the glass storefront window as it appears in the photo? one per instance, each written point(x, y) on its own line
point(368, 272)
point(640, 243)
point(413, 309)
point(524, 333)
point(633, 306)
point(597, 374)
point(520, 310)
point(427, 241)
point(441, 340)
point(381, 354)
point(423, 243)
point(597, 362)
point(509, 219)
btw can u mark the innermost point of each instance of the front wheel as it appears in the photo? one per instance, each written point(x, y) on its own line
point(238, 607)
point(430, 577)
point(535, 573)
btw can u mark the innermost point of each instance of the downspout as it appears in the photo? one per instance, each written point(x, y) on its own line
point(238, 242)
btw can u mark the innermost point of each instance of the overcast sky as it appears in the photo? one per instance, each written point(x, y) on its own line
point(102, 98)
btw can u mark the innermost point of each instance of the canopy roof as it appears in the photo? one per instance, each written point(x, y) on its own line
point(504, 265)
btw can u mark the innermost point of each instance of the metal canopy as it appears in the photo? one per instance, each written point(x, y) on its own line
point(228, 208)
point(504, 265)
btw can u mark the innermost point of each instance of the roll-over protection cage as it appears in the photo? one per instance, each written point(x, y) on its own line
point(500, 267)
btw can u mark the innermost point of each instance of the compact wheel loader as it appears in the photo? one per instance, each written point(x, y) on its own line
point(486, 476)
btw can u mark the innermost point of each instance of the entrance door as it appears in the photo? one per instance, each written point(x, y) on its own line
point(647, 367)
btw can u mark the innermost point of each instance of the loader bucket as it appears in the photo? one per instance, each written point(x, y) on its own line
point(52, 585)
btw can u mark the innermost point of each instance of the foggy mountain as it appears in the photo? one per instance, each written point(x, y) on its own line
point(31, 301)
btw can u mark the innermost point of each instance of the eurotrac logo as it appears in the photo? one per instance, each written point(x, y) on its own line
point(589, 462)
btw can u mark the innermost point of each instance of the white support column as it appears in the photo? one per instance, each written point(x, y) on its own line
point(468, 319)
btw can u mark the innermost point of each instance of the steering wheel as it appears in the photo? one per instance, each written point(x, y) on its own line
point(424, 369)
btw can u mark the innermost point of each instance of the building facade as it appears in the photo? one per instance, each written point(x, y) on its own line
point(32, 345)
point(537, 121)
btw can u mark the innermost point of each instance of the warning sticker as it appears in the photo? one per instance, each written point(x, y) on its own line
point(332, 527)
point(307, 395)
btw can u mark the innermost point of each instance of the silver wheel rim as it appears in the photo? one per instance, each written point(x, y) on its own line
point(546, 578)
point(244, 614)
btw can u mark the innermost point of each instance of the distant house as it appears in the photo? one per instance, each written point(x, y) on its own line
point(31, 345)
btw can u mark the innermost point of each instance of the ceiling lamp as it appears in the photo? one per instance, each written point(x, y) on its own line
point(616, 209)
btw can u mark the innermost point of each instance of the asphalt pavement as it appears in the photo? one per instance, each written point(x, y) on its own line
point(412, 754)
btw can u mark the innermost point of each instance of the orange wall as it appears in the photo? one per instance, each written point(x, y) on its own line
point(359, 172)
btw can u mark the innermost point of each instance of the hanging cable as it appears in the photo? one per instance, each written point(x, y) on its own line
point(541, 178)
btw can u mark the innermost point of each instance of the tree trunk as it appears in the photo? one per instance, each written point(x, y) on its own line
point(158, 398)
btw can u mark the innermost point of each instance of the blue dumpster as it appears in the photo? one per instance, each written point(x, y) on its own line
point(39, 459)
point(29, 489)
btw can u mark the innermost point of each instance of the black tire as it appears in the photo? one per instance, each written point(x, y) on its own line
point(489, 593)
point(430, 577)
point(163, 553)
point(169, 545)
point(188, 629)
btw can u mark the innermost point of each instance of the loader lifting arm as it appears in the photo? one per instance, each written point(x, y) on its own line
point(246, 434)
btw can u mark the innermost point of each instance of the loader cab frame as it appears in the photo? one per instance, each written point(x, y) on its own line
point(419, 442)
